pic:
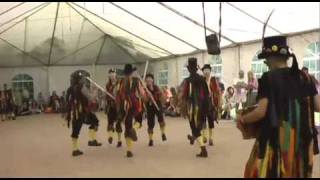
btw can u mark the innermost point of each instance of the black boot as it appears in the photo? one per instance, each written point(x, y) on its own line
point(119, 144)
point(164, 137)
point(129, 154)
point(203, 153)
point(110, 140)
point(94, 143)
point(77, 153)
point(191, 139)
point(210, 142)
point(151, 143)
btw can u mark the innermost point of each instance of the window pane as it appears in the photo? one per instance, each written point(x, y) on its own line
point(23, 81)
point(219, 69)
point(254, 69)
point(317, 47)
point(312, 66)
point(265, 68)
point(259, 68)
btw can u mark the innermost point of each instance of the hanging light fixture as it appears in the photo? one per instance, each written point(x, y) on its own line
point(212, 40)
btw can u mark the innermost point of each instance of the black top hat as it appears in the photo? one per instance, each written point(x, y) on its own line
point(275, 45)
point(112, 70)
point(128, 69)
point(192, 63)
point(206, 66)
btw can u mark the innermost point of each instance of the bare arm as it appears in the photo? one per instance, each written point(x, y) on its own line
point(257, 114)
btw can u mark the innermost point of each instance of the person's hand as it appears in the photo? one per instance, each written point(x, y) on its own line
point(240, 121)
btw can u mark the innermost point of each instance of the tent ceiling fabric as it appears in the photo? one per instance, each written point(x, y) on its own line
point(86, 33)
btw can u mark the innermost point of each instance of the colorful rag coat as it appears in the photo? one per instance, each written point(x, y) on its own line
point(157, 94)
point(195, 98)
point(288, 137)
point(77, 103)
point(112, 89)
point(214, 93)
point(128, 97)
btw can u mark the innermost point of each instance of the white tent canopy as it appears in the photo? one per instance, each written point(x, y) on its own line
point(86, 33)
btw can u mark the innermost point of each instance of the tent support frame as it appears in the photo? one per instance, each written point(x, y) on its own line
point(63, 58)
point(111, 38)
point(79, 37)
point(43, 6)
point(193, 21)
point(160, 29)
point(8, 10)
point(170, 53)
point(100, 50)
point(32, 57)
point(54, 30)
point(249, 15)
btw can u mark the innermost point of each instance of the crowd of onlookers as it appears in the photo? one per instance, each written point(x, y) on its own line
point(242, 93)
point(20, 102)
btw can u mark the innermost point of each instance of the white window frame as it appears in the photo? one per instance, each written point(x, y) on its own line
point(162, 78)
point(216, 63)
point(22, 81)
point(185, 72)
point(312, 55)
point(258, 67)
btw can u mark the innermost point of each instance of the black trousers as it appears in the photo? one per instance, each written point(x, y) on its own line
point(128, 123)
point(211, 117)
point(196, 124)
point(152, 112)
point(84, 118)
point(128, 120)
point(112, 118)
point(139, 118)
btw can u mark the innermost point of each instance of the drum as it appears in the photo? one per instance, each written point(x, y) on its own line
point(252, 130)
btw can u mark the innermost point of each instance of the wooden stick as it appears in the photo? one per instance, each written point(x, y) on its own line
point(265, 25)
point(149, 93)
point(145, 70)
point(102, 89)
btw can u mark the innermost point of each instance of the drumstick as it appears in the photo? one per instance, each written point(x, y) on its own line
point(149, 93)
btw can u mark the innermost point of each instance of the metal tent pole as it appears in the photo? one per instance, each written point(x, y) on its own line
point(54, 30)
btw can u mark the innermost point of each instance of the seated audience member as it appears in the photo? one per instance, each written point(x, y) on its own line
point(25, 109)
point(228, 103)
point(54, 102)
point(41, 101)
point(34, 107)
